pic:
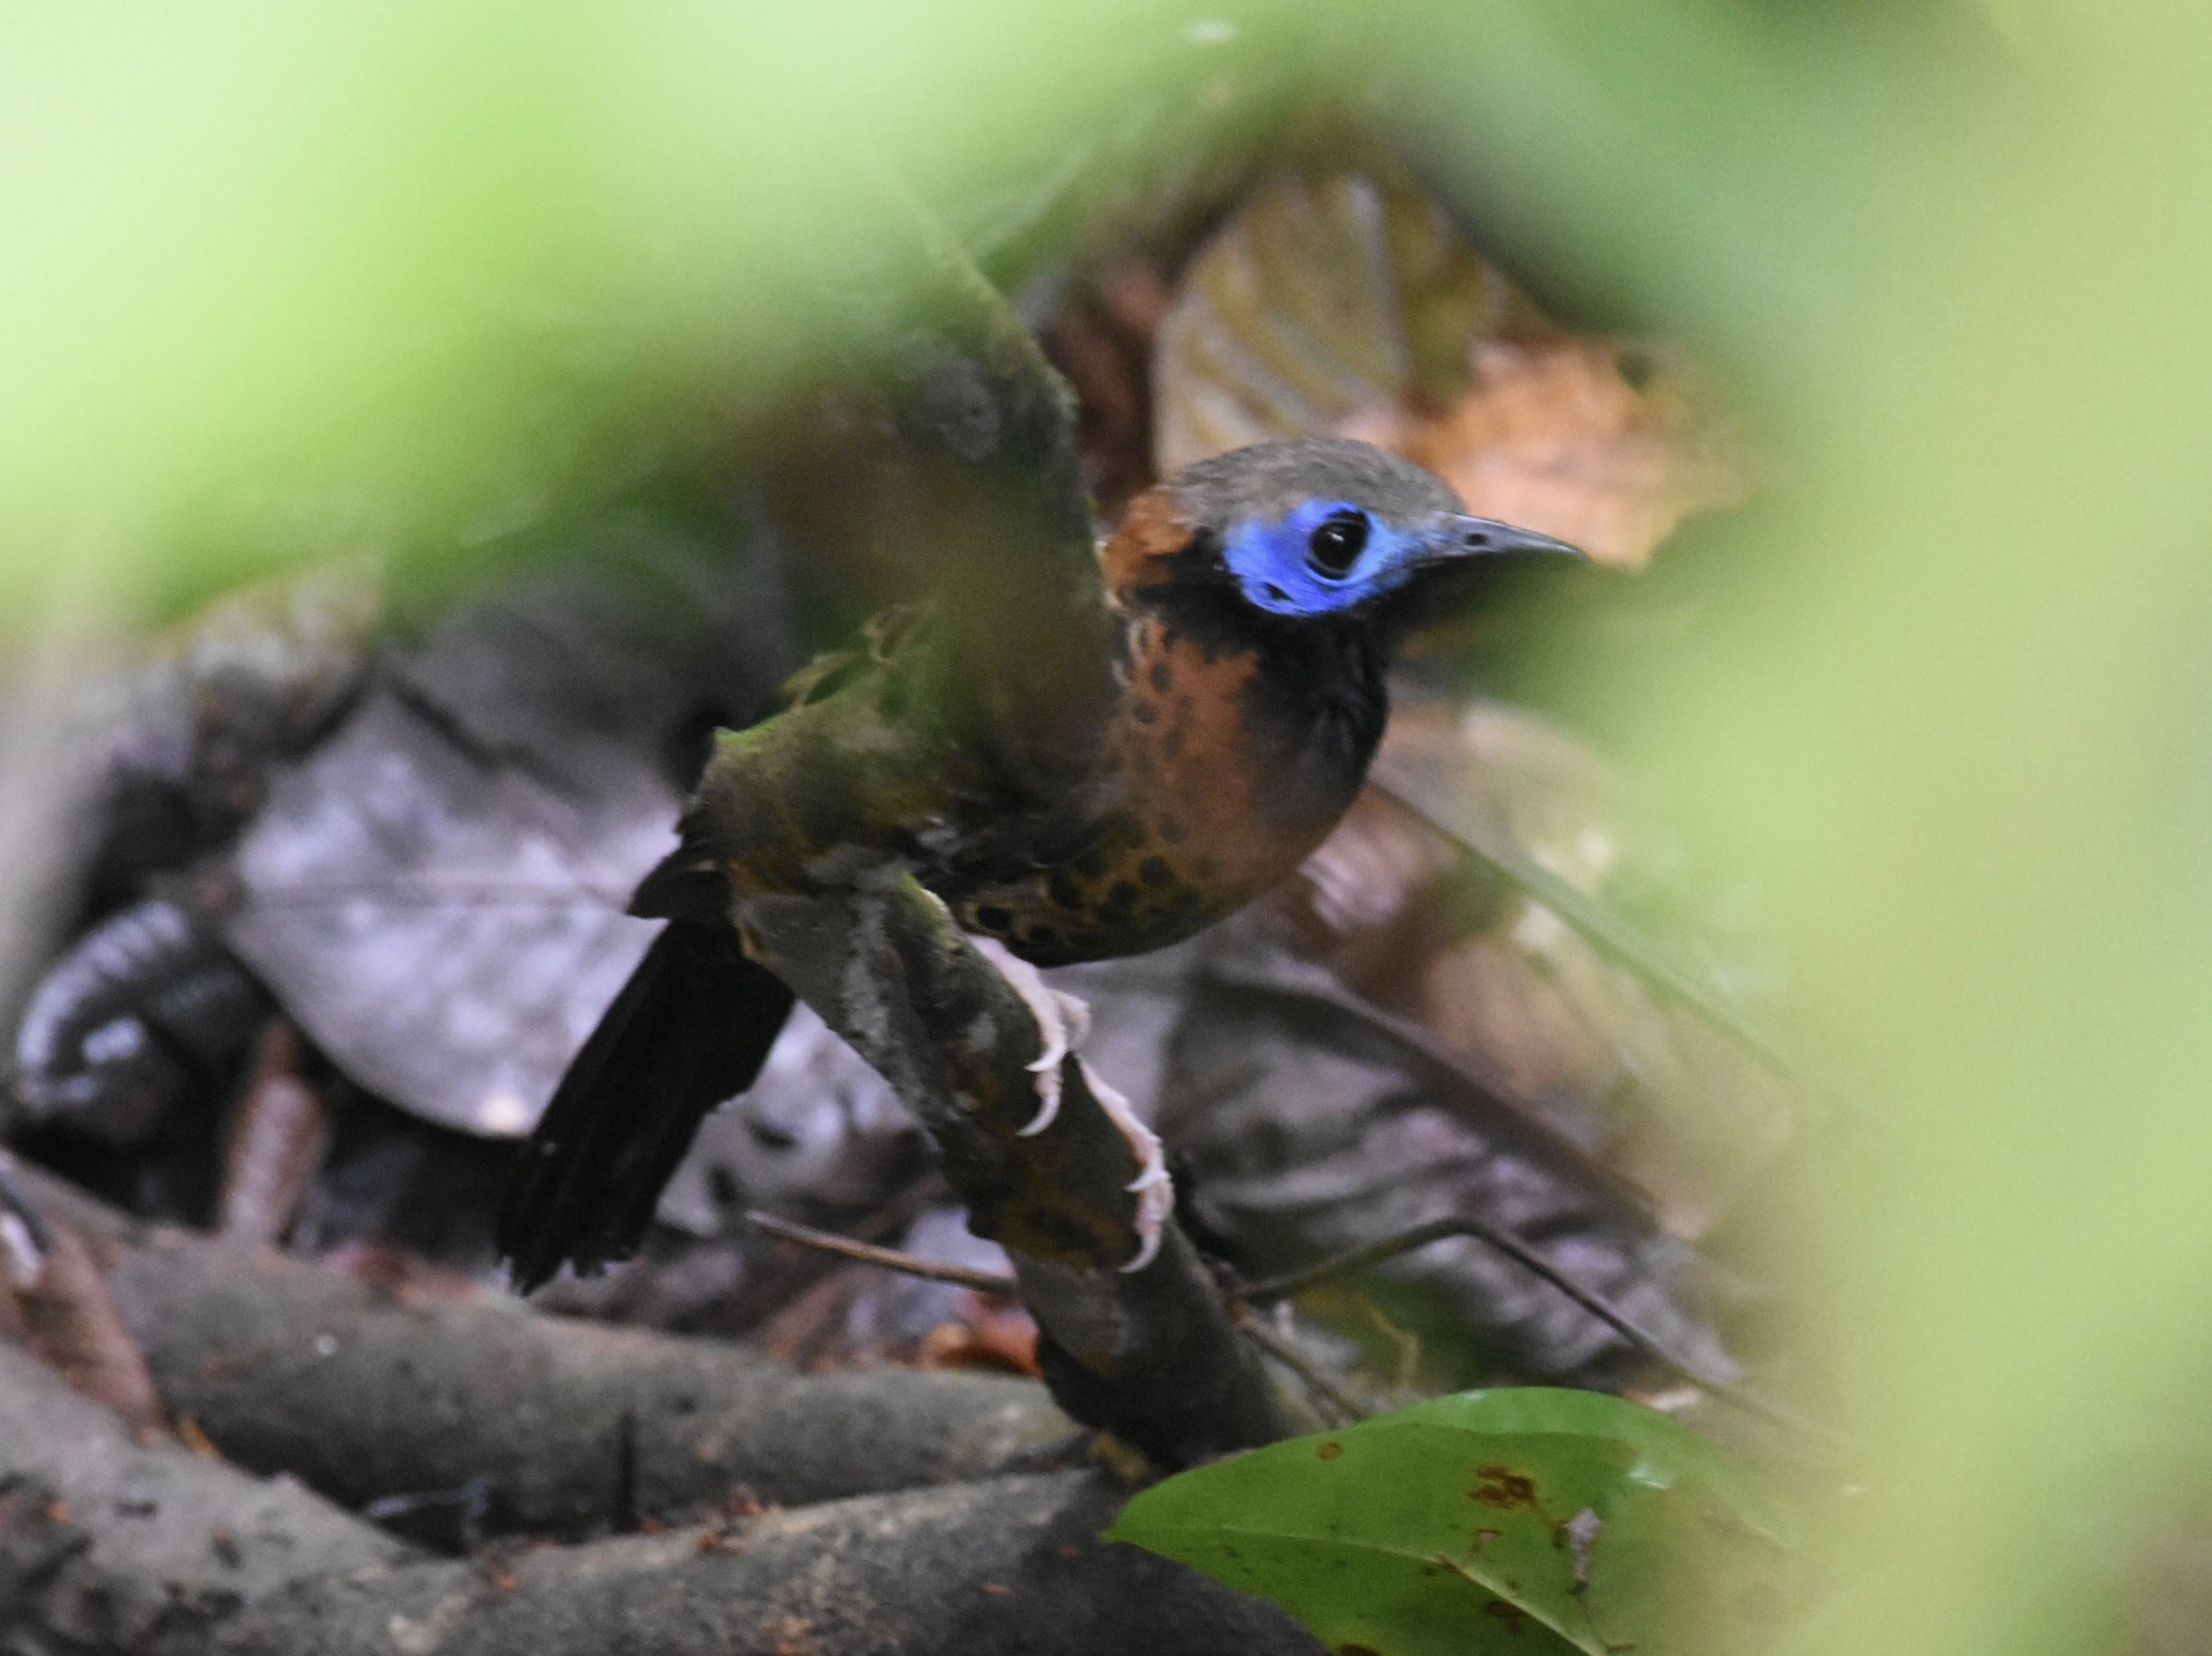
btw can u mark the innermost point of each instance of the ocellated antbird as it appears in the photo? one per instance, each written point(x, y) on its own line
point(1254, 600)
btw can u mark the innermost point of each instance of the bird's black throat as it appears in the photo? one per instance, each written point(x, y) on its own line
point(1316, 703)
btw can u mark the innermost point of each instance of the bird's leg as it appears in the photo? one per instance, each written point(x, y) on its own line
point(1152, 1187)
point(1062, 1022)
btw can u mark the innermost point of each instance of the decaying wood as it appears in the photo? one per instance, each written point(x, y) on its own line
point(110, 1543)
point(1149, 1354)
point(1009, 1565)
point(549, 1426)
point(55, 1300)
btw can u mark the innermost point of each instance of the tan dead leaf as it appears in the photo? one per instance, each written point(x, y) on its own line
point(194, 1437)
point(1339, 299)
point(62, 1311)
point(991, 1334)
point(1331, 291)
point(278, 1135)
point(1553, 435)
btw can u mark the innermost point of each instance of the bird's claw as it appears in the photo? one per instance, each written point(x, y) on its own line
point(1064, 1021)
point(1153, 1187)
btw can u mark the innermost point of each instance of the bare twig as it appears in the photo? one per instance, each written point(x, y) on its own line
point(889, 1259)
point(1467, 1083)
point(1254, 1327)
point(1505, 1242)
point(1606, 931)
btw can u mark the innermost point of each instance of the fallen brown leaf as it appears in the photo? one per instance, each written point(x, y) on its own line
point(279, 1133)
point(1331, 291)
point(1554, 436)
point(1339, 299)
point(992, 1334)
point(193, 1437)
point(66, 1314)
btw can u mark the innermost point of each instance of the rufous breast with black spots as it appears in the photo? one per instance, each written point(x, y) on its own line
point(1253, 600)
point(1217, 781)
point(1251, 666)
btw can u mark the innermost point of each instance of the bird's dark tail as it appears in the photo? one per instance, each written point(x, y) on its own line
point(690, 1029)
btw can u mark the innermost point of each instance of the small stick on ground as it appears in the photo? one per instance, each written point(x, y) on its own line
point(1597, 1305)
point(1254, 1328)
point(889, 1259)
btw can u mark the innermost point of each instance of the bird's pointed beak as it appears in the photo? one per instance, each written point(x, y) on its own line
point(1453, 555)
point(1450, 537)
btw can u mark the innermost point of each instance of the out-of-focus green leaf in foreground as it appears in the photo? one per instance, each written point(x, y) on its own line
point(1526, 1520)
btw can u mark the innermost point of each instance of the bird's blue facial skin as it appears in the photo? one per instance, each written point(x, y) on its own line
point(1274, 562)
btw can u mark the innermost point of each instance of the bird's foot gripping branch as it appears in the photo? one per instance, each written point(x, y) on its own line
point(1062, 1022)
point(1149, 1354)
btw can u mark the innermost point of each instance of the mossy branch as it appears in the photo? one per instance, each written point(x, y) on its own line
point(1150, 1354)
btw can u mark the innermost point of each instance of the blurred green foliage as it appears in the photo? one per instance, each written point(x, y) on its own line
point(382, 278)
point(1953, 255)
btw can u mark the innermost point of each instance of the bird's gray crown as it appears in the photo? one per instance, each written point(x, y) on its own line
point(1271, 479)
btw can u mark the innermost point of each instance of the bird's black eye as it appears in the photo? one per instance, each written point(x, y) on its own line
point(1334, 546)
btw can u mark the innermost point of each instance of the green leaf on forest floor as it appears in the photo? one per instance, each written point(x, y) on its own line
point(1529, 1519)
